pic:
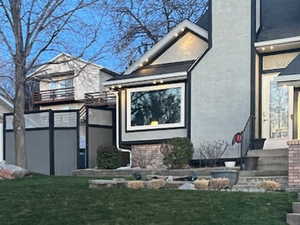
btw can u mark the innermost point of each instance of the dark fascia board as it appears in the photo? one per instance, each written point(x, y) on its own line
point(110, 72)
point(209, 38)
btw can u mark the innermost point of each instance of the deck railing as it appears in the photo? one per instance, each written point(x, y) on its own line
point(100, 98)
point(247, 138)
point(54, 95)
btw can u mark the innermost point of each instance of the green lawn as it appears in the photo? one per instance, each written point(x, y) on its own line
point(69, 201)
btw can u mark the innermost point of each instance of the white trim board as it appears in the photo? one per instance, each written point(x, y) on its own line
point(165, 41)
point(277, 41)
point(295, 77)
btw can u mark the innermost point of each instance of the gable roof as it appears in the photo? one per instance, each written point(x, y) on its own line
point(280, 19)
point(112, 73)
point(165, 41)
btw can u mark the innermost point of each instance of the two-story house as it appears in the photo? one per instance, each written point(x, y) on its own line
point(69, 83)
point(236, 68)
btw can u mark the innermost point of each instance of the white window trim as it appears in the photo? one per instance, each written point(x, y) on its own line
point(159, 126)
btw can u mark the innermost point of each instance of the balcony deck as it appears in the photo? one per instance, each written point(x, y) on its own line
point(68, 94)
point(54, 96)
point(100, 98)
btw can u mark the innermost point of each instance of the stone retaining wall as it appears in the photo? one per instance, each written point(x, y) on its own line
point(294, 164)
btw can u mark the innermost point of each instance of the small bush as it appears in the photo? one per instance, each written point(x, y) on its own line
point(108, 157)
point(219, 183)
point(135, 184)
point(177, 153)
point(156, 184)
point(270, 185)
point(201, 184)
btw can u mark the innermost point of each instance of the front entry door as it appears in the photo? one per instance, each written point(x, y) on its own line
point(277, 110)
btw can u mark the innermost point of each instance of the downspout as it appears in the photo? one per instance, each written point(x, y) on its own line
point(117, 131)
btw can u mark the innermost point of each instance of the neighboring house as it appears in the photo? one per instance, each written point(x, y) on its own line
point(69, 83)
point(6, 106)
point(204, 80)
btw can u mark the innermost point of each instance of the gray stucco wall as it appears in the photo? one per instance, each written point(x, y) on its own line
point(65, 152)
point(37, 150)
point(220, 100)
point(146, 135)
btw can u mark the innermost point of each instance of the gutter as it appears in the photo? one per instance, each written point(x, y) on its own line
point(117, 132)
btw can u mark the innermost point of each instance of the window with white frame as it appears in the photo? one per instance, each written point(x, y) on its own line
point(156, 107)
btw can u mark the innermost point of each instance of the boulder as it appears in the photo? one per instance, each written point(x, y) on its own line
point(9, 171)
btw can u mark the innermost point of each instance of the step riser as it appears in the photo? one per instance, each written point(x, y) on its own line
point(269, 153)
point(273, 159)
point(296, 207)
point(293, 219)
point(275, 167)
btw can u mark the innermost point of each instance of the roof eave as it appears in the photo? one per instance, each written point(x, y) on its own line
point(147, 79)
point(186, 24)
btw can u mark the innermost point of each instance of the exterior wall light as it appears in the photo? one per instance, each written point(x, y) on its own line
point(272, 47)
point(161, 81)
point(263, 48)
point(154, 82)
point(120, 86)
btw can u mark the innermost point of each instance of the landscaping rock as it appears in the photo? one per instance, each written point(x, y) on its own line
point(156, 184)
point(187, 186)
point(135, 184)
point(9, 171)
point(107, 184)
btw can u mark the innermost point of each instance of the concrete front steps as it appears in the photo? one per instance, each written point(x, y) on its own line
point(271, 159)
point(294, 218)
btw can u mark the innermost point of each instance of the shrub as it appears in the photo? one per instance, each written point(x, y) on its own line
point(177, 152)
point(108, 157)
point(270, 185)
point(201, 184)
point(135, 184)
point(212, 151)
point(219, 183)
point(156, 184)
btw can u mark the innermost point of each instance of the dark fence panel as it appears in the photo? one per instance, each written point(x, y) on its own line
point(65, 151)
point(99, 131)
point(51, 141)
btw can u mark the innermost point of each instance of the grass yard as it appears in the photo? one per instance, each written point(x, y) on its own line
point(68, 201)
